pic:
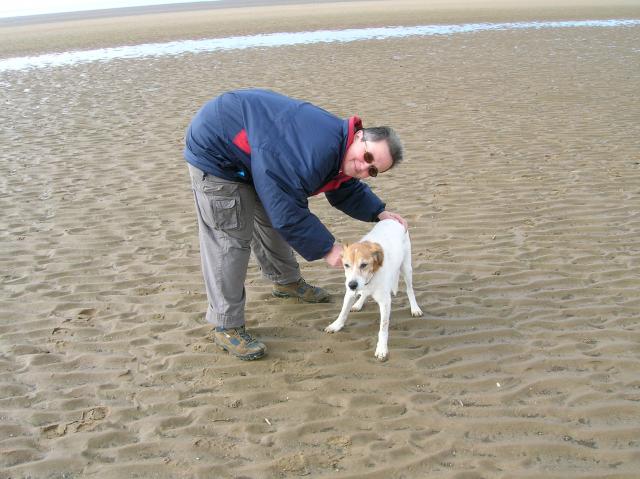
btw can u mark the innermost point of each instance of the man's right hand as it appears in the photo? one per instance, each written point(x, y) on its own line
point(334, 257)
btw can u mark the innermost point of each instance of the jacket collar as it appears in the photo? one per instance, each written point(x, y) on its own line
point(353, 124)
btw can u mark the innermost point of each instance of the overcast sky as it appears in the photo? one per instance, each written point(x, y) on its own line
point(34, 7)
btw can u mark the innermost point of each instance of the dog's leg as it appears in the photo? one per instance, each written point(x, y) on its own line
point(358, 306)
point(407, 272)
point(383, 335)
point(338, 324)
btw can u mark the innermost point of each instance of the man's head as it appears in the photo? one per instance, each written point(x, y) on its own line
point(373, 151)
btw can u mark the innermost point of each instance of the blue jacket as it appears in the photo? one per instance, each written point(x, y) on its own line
point(289, 150)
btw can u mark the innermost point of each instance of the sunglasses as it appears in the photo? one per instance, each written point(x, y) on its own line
point(368, 157)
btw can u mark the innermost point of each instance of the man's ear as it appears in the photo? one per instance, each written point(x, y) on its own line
point(377, 255)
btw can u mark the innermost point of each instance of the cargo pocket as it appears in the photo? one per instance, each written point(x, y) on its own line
point(225, 213)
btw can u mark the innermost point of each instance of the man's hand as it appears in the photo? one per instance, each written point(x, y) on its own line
point(334, 257)
point(388, 215)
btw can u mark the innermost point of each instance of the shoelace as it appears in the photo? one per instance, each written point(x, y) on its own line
point(244, 335)
point(304, 285)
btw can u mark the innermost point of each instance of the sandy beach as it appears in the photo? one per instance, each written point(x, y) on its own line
point(521, 185)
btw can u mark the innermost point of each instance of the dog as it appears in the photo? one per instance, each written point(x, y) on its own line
point(372, 267)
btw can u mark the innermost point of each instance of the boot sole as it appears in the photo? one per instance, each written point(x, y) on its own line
point(278, 294)
point(243, 357)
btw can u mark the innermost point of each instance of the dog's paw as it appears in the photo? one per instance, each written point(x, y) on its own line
point(416, 311)
point(356, 307)
point(333, 328)
point(382, 353)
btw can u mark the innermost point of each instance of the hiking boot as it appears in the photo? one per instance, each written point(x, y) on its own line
point(301, 289)
point(239, 343)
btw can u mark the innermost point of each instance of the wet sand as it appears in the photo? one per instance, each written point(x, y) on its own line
point(522, 188)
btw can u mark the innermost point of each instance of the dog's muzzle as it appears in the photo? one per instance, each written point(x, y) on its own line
point(353, 284)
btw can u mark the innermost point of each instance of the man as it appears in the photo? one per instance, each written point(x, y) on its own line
point(255, 156)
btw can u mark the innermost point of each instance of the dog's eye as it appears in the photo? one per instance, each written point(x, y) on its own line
point(347, 265)
point(363, 265)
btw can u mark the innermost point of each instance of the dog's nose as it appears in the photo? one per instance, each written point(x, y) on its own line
point(353, 285)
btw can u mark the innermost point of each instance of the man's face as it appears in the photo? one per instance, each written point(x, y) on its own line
point(355, 164)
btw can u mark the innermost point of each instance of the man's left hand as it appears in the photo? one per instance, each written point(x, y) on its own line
point(388, 215)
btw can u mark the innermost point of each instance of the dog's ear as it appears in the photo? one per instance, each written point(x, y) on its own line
point(344, 247)
point(378, 256)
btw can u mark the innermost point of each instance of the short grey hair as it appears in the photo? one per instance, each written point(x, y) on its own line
point(388, 134)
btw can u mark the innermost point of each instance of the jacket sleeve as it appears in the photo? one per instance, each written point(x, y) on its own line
point(286, 204)
point(356, 199)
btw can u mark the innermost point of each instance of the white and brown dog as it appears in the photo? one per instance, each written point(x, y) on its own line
point(372, 268)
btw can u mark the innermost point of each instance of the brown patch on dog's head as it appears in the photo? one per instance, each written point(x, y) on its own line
point(363, 257)
point(376, 253)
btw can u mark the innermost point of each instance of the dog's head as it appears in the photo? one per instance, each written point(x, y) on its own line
point(361, 261)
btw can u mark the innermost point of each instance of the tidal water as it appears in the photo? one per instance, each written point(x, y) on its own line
point(52, 60)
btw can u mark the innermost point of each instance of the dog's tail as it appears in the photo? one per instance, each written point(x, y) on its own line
point(396, 281)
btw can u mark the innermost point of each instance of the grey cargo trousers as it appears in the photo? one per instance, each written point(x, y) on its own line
point(231, 223)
